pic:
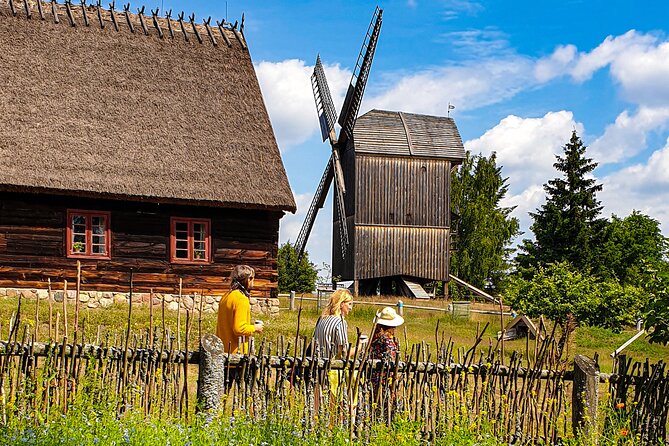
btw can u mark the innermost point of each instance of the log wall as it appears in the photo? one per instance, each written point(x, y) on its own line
point(32, 245)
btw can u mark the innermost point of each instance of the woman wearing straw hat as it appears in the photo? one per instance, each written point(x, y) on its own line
point(384, 344)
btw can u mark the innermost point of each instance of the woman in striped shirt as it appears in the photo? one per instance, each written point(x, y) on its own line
point(331, 331)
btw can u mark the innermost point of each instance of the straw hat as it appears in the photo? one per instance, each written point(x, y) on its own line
point(389, 318)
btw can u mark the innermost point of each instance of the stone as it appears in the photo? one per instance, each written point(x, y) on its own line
point(209, 310)
point(138, 298)
point(42, 294)
point(168, 298)
point(274, 302)
point(274, 310)
point(187, 302)
point(107, 295)
point(11, 292)
point(253, 301)
point(29, 294)
point(84, 297)
point(120, 298)
point(255, 308)
point(93, 304)
point(214, 307)
point(57, 296)
point(173, 306)
point(106, 303)
point(209, 300)
point(157, 302)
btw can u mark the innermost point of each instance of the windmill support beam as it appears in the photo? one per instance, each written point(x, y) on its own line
point(473, 289)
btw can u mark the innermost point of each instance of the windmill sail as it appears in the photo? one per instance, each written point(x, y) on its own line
point(358, 82)
point(316, 204)
point(327, 115)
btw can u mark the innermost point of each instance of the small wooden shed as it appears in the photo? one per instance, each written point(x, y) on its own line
point(133, 142)
point(519, 327)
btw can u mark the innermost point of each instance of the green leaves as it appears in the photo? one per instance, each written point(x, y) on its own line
point(558, 289)
point(294, 275)
point(657, 312)
point(482, 228)
point(567, 227)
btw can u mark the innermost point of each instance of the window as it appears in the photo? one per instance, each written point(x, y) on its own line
point(88, 234)
point(189, 240)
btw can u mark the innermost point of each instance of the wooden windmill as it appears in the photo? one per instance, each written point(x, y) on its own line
point(327, 117)
point(391, 220)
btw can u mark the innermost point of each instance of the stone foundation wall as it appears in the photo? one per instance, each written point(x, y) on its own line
point(105, 299)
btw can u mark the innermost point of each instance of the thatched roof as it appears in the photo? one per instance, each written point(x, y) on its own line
point(92, 111)
point(407, 134)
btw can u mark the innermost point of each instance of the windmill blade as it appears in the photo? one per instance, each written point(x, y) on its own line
point(343, 227)
point(356, 88)
point(327, 115)
point(316, 204)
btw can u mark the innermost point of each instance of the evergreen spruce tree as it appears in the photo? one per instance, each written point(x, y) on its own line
point(567, 227)
point(484, 229)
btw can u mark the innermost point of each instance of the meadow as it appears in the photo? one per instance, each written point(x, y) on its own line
point(92, 419)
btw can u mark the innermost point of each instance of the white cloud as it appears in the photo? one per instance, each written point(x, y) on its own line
point(556, 64)
point(643, 187)
point(286, 88)
point(526, 148)
point(626, 137)
point(468, 86)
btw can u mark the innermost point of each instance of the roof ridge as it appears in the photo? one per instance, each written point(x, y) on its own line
point(164, 27)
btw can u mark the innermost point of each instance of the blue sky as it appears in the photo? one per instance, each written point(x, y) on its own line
point(521, 74)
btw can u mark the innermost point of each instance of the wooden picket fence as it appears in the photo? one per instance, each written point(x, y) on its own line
point(523, 400)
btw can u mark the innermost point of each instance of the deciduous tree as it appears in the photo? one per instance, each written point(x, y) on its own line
point(484, 229)
point(294, 275)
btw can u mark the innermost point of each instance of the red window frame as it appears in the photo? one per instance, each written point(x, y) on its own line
point(88, 234)
point(192, 245)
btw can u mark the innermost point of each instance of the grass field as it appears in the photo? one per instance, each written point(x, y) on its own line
point(421, 326)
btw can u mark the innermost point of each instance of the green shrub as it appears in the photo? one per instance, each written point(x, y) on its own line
point(558, 290)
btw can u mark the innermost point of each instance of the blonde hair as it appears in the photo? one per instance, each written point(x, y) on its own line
point(240, 278)
point(333, 307)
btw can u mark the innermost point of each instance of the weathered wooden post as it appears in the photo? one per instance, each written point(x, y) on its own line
point(211, 378)
point(291, 305)
point(585, 396)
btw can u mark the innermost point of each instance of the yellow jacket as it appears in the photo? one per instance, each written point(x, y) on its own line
point(234, 321)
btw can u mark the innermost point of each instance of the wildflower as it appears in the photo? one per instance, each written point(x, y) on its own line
point(620, 405)
point(624, 432)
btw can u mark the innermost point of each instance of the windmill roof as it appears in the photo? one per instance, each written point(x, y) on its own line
point(408, 134)
point(128, 114)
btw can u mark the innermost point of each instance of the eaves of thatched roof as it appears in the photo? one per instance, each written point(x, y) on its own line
point(106, 110)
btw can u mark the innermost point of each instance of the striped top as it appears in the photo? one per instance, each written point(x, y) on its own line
point(331, 333)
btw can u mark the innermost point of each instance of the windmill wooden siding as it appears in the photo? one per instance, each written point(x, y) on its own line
point(161, 120)
point(398, 202)
point(32, 246)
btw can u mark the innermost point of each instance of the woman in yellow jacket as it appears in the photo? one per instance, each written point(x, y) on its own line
point(234, 325)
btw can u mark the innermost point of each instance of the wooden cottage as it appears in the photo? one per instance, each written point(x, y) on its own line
point(133, 142)
point(398, 168)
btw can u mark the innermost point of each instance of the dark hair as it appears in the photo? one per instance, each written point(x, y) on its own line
point(240, 278)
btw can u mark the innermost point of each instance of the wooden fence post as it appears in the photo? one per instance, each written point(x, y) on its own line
point(585, 396)
point(291, 305)
point(211, 378)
